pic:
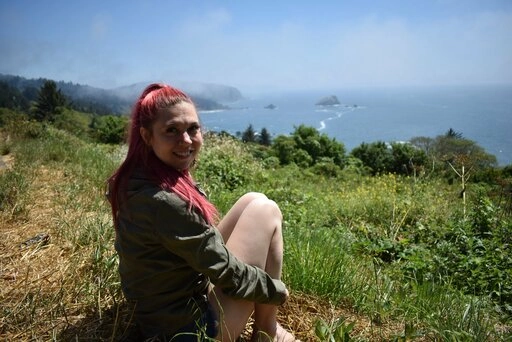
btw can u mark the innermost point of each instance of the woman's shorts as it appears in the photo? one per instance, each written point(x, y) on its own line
point(199, 330)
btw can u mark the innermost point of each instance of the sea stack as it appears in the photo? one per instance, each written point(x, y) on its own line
point(328, 101)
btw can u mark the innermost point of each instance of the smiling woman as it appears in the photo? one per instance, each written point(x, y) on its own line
point(188, 274)
point(175, 136)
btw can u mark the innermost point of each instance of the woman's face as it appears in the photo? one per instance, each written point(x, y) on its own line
point(175, 135)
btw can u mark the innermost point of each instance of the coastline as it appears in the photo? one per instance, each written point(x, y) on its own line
point(481, 114)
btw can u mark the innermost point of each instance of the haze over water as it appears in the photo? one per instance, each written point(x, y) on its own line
point(481, 113)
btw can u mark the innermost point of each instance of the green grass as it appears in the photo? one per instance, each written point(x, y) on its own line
point(373, 244)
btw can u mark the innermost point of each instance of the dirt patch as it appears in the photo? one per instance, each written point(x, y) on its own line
point(6, 161)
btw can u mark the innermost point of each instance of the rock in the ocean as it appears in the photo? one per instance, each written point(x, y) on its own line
point(328, 101)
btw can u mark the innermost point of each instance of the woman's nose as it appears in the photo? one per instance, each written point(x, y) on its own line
point(185, 137)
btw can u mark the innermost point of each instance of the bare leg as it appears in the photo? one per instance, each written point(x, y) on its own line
point(252, 232)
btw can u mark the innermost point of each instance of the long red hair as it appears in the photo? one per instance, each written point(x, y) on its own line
point(155, 97)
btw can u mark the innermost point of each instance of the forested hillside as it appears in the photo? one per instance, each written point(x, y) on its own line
point(19, 91)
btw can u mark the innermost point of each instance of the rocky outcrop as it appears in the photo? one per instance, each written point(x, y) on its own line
point(328, 101)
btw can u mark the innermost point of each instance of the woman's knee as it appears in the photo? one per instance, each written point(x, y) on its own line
point(250, 196)
point(265, 208)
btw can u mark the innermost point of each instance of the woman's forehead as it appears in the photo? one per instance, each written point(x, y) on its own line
point(181, 113)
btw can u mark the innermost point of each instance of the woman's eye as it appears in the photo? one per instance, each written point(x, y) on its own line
point(193, 130)
point(172, 130)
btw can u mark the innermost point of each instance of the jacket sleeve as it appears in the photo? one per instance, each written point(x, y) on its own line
point(185, 233)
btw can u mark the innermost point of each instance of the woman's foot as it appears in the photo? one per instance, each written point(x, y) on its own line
point(282, 335)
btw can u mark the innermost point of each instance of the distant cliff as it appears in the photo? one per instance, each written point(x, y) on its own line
point(216, 92)
point(206, 96)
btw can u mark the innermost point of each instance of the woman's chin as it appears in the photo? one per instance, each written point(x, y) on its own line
point(181, 166)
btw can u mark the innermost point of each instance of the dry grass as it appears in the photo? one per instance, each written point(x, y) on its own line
point(42, 284)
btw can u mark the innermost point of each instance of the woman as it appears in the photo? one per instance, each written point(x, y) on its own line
point(188, 274)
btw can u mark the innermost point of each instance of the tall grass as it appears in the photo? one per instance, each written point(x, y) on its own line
point(75, 275)
point(337, 233)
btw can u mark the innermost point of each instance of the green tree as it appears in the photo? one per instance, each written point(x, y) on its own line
point(306, 139)
point(50, 102)
point(306, 147)
point(457, 150)
point(109, 129)
point(30, 93)
point(451, 133)
point(399, 158)
point(452, 148)
point(407, 158)
point(284, 148)
point(377, 156)
point(332, 149)
point(264, 137)
point(318, 146)
point(11, 97)
point(249, 135)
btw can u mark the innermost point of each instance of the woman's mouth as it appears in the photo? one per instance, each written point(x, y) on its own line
point(184, 154)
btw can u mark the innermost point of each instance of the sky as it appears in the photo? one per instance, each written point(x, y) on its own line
point(259, 45)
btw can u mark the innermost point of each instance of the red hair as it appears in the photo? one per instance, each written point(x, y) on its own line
point(155, 97)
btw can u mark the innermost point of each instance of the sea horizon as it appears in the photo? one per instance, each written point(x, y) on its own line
point(480, 113)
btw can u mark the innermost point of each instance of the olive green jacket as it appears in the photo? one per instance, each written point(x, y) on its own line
point(168, 255)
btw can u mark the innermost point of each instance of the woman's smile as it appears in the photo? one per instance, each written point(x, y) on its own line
point(175, 136)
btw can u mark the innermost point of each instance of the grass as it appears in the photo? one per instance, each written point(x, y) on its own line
point(337, 232)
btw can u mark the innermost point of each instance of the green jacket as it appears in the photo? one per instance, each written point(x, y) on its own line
point(168, 255)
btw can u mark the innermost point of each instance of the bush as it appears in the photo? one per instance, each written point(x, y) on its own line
point(109, 129)
point(225, 165)
point(306, 146)
point(326, 167)
point(73, 122)
point(10, 117)
point(376, 156)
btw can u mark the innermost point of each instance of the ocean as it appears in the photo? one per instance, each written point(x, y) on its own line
point(480, 113)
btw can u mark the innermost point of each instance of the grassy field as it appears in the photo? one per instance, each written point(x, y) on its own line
point(367, 258)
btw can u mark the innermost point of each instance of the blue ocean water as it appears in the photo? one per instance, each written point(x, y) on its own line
point(481, 113)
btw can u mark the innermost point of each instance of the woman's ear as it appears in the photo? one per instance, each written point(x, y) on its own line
point(146, 135)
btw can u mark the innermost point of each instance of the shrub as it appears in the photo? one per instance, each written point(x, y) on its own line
point(225, 165)
point(306, 146)
point(109, 129)
point(73, 122)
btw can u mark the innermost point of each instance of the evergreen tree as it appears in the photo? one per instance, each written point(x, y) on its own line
point(264, 138)
point(49, 102)
point(30, 93)
point(249, 135)
point(11, 97)
point(451, 133)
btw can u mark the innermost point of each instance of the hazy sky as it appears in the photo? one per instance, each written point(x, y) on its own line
point(259, 44)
